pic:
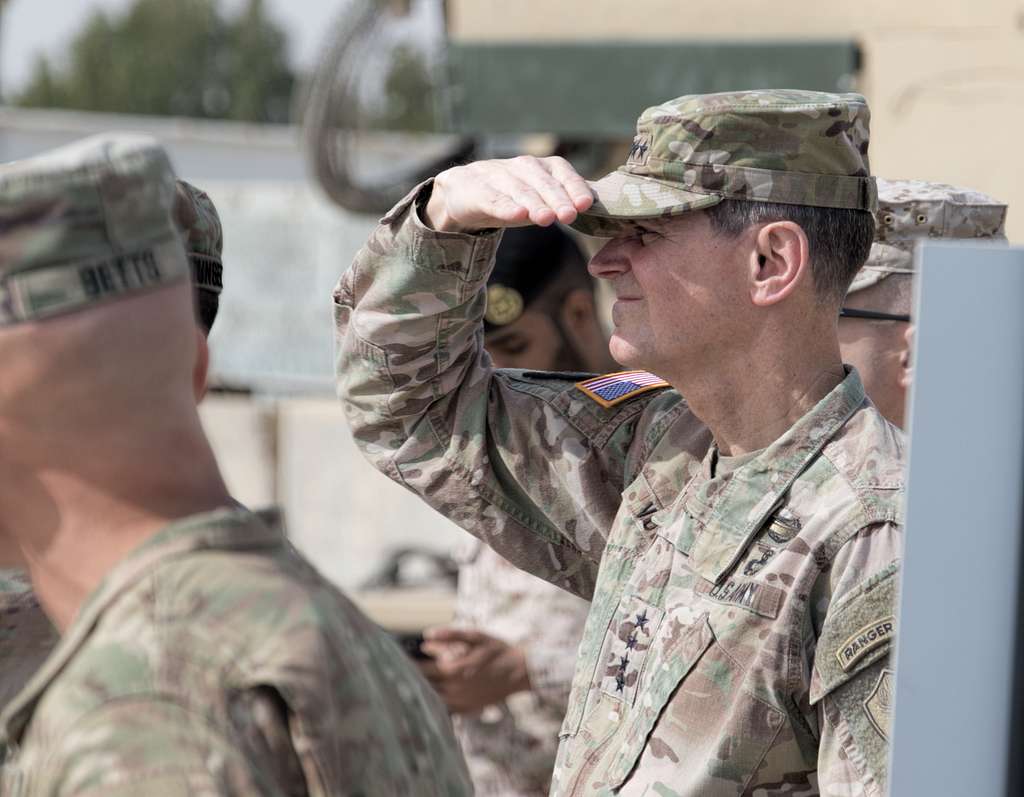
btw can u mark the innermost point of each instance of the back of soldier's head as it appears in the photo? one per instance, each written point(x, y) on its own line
point(96, 316)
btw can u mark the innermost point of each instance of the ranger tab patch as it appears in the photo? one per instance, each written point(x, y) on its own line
point(612, 389)
point(864, 641)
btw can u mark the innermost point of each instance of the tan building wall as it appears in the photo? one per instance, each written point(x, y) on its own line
point(583, 20)
point(945, 78)
point(297, 453)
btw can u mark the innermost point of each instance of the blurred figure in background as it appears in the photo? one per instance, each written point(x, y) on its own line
point(874, 323)
point(505, 667)
point(199, 652)
point(26, 634)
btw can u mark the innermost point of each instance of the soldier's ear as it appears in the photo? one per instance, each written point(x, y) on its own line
point(779, 260)
point(200, 370)
point(906, 376)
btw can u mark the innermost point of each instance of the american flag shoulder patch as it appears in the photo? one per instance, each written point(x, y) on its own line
point(612, 389)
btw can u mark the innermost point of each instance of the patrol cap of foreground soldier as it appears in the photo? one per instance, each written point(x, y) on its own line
point(909, 210)
point(528, 260)
point(86, 224)
point(787, 146)
point(204, 240)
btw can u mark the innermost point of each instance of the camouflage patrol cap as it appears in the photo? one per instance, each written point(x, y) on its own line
point(200, 227)
point(85, 224)
point(909, 210)
point(787, 146)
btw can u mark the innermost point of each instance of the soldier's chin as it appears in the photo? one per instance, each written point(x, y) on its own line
point(625, 353)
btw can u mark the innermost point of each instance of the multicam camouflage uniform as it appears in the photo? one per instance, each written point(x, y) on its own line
point(213, 659)
point(739, 635)
point(510, 746)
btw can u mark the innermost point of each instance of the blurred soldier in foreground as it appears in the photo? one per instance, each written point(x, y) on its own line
point(505, 668)
point(740, 547)
point(200, 654)
point(27, 636)
point(874, 333)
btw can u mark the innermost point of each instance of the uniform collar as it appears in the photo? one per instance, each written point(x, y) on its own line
point(230, 528)
point(729, 510)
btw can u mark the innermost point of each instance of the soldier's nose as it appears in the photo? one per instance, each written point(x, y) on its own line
point(610, 261)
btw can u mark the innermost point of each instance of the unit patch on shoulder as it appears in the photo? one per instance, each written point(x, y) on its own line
point(878, 705)
point(612, 389)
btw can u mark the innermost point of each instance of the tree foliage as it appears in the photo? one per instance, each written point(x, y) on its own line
point(172, 57)
point(408, 96)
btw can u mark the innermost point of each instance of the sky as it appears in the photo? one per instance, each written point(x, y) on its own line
point(33, 26)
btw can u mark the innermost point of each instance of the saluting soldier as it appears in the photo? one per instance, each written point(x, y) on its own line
point(874, 323)
point(199, 653)
point(740, 545)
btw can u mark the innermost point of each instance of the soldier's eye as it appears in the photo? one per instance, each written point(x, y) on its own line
point(645, 236)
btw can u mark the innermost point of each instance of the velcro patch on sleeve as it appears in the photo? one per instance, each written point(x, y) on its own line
point(858, 630)
point(612, 389)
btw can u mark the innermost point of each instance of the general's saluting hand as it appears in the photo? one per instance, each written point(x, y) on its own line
point(507, 193)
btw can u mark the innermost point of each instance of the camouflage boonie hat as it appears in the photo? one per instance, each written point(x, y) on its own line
point(200, 227)
point(85, 224)
point(793, 147)
point(909, 210)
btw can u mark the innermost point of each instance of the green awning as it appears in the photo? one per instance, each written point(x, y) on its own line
point(597, 89)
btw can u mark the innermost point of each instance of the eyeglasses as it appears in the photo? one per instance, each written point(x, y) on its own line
point(849, 312)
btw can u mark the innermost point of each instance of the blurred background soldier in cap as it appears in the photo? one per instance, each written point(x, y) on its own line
point(505, 668)
point(541, 307)
point(26, 634)
point(874, 323)
point(199, 652)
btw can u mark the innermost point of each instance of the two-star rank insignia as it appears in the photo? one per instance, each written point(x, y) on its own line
point(612, 389)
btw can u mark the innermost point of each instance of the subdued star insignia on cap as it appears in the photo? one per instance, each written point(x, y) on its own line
point(638, 151)
point(612, 389)
point(504, 305)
